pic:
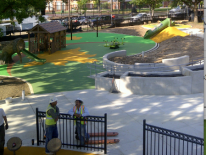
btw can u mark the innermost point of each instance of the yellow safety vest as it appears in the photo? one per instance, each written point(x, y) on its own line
point(49, 119)
point(75, 111)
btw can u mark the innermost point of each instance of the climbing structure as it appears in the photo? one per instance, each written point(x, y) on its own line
point(11, 47)
point(48, 37)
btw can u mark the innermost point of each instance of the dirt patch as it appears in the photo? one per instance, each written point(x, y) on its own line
point(136, 30)
point(174, 47)
point(171, 48)
point(12, 87)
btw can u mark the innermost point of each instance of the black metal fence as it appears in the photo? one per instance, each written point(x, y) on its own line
point(105, 22)
point(66, 131)
point(120, 21)
point(160, 141)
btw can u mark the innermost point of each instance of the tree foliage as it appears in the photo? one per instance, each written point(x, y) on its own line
point(151, 3)
point(82, 5)
point(21, 9)
point(192, 4)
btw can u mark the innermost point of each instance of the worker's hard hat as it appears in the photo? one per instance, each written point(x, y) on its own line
point(78, 99)
point(52, 99)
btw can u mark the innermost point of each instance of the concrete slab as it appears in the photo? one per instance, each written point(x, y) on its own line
point(125, 115)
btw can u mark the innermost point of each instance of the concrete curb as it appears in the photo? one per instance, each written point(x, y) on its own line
point(123, 53)
point(30, 86)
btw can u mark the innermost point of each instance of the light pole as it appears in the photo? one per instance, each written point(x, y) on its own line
point(69, 13)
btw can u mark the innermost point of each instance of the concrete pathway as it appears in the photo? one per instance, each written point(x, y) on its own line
point(194, 32)
point(125, 115)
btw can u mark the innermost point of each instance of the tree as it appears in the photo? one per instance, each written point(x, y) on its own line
point(82, 5)
point(140, 4)
point(151, 3)
point(97, 4)
point(192, 4)
point(20, 9)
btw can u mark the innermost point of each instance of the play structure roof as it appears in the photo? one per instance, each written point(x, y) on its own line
point(50, 27)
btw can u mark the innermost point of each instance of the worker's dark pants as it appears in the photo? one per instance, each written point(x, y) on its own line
point(2, 139)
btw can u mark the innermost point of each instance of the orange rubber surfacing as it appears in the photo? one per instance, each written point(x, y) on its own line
point(26, 150)
point(62, 57)
point(73, 38)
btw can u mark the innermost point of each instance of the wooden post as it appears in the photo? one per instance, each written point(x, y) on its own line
point(65, 34)
point(97, 27)
point(38, 40)
point(35, 36)
point(29, 40)
point(59, 40)
point(49, 43)
point(54, 42)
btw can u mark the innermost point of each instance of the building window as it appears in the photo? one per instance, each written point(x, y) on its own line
point(58, 6)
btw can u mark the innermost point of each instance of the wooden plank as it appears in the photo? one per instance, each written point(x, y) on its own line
point(29, 40)
point(49, 42)
point(38, 40)
point(37, 32)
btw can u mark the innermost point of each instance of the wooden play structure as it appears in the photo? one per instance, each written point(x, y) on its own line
point(49, 37)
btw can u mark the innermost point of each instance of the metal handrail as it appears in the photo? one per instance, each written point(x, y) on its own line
point(101, 67)
point(153, 141)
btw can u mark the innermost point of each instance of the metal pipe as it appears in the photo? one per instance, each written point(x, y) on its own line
point(144, 125)
point(37, 127)
point(105, 133)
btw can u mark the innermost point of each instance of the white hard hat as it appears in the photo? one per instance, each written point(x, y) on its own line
point(78, 99)
point(52, 99)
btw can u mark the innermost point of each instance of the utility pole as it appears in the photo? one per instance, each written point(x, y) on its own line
point(69, 13)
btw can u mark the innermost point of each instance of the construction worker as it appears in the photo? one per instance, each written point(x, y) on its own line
point(80, 111)
point(2, 130)
point(52, 116)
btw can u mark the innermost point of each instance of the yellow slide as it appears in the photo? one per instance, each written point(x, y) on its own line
point(168, 33)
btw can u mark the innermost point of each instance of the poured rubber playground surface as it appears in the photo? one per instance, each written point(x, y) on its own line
point(66, 70)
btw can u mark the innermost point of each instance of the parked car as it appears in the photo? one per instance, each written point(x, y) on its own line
point(140, 17)
point(75, 22)
point(176, 10)
point(83, 20)
point(102, 20)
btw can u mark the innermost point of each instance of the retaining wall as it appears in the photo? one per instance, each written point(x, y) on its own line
point(192, 82)
point(166, 65)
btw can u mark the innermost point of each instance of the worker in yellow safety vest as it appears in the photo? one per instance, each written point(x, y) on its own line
point(52, 116)
point(80, 111)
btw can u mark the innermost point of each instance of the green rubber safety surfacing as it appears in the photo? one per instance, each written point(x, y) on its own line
point(49, 78)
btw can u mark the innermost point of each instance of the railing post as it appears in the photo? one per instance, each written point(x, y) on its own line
point(105, 133)
point(144, 123)
point(95, 68)
point(37, 127)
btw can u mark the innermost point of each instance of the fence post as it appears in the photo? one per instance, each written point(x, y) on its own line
point(144, 124)
point(105, 133)
point(97, 26)
point(37, 127)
